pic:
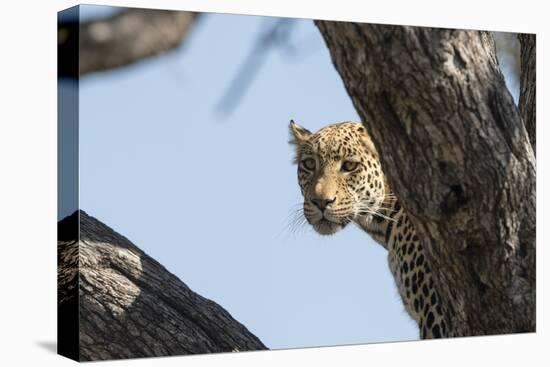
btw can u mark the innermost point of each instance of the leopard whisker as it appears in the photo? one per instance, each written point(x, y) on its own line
point(295, 220)
point(374, 212)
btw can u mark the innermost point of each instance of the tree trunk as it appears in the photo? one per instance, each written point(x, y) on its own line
point(527, 99)
point(457, 154)
point(116, 302)
point(122, 39)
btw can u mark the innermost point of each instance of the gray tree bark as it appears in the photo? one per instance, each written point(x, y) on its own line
point(117, 302)
point(527, 99)
point(122, 39)
point(457, 154)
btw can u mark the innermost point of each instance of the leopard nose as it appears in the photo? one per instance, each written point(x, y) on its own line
point(322, 203)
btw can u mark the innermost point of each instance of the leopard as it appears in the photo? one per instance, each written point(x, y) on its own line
point(342, 182)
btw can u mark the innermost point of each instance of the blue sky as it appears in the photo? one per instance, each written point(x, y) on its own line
point(209, 196)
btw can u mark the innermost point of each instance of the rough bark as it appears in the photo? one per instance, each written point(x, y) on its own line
point(528, 95)
point(457, 154)
point(129, 305)
point(124, 38)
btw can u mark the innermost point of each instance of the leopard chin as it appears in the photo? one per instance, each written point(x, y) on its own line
point(326, 227)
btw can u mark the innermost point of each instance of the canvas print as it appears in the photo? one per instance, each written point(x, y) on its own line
point(234, 183)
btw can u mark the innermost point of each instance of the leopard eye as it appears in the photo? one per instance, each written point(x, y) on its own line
point(308, 163)
point(349, 166)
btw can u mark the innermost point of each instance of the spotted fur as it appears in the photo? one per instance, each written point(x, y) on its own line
point(335, 195)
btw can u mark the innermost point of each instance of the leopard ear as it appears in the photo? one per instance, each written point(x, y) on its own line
point(298, 134)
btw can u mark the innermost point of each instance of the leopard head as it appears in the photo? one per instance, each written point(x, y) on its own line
point(339, 174)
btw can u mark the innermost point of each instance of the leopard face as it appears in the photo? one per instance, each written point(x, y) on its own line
point(339, 174)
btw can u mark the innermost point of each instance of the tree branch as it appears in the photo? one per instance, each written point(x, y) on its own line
point(116, 302)
point(122, 39)
point(275, 35)
point(457, 155)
